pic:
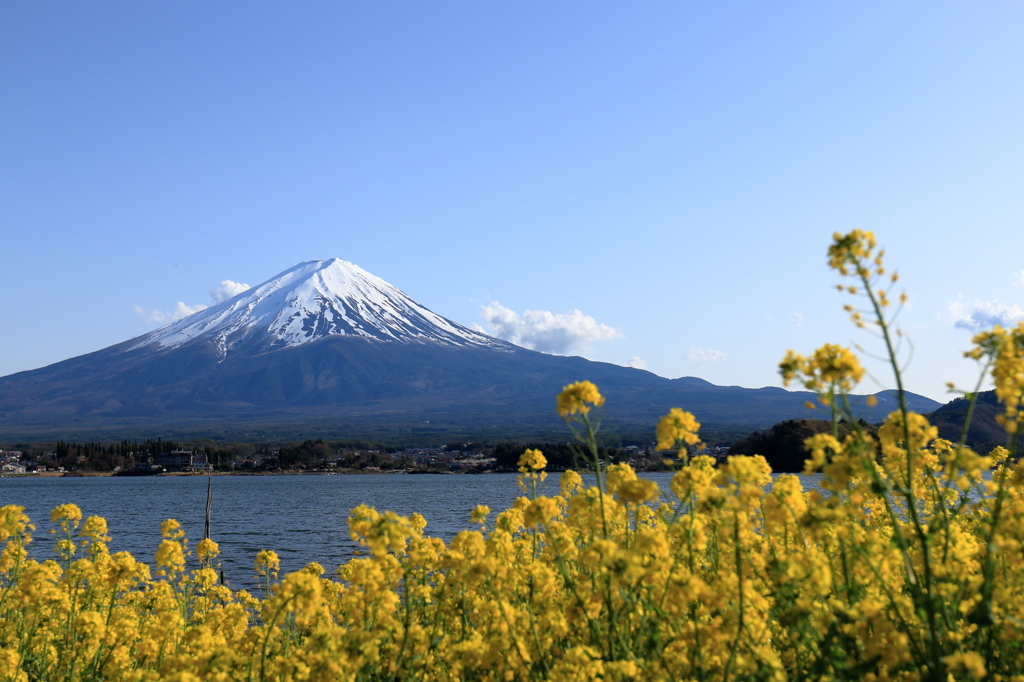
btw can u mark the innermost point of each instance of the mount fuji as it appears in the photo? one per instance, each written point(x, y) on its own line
point(328, 349)
point(312, 301)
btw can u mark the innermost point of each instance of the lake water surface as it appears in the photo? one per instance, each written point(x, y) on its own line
point(302, 518)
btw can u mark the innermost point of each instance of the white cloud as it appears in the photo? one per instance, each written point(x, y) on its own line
point(557, 333)
point(981, 315)
point(155, 316)
point(1020, 276)
point(700, 355)
point(636, 362)
point(227, 289)
point(797, 319)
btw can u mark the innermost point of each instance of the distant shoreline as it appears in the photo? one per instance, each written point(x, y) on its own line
point(290, 472)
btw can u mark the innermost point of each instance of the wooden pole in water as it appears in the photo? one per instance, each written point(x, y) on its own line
point(209, 508)
point(209, 505)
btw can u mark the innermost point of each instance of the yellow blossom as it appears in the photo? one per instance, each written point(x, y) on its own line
point(480, 513)
point(677, 426)
point(532, 460)
point(578, 398)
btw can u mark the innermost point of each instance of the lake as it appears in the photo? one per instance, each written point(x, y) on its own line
point(302, 518)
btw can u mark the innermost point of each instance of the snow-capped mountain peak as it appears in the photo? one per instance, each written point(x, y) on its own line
point(313, 300)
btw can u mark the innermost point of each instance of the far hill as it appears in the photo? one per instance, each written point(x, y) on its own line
point(326, 349)
point(985, 432)
point(783, 444)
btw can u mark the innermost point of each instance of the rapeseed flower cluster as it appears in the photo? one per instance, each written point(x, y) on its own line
point(678, 427)
point(578, 398)
point(1004, 350)
point(909, 567)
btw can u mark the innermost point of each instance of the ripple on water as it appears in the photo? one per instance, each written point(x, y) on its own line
point(302, 518)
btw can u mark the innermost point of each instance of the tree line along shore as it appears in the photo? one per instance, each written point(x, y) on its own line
point(781, 445)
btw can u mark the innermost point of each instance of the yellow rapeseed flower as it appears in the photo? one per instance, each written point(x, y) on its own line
point(677, 426)
point(851, 249)
point(480, 513)
point(267, 563)
point(829, 369)
point(1005, 350)
point(531, 460)
point(69, 513)
point(207, 550)
point(170, 555)
point(578, 398)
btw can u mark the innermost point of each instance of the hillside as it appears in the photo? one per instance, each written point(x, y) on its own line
point(985, 432)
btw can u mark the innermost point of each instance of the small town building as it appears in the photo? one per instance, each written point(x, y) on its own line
point(175, 460)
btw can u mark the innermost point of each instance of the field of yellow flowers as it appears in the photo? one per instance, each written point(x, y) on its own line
point(912, 568)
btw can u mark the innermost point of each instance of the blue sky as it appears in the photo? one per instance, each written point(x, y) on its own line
point(673, 171)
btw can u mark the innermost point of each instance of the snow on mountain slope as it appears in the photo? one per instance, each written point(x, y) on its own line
point(313, 300)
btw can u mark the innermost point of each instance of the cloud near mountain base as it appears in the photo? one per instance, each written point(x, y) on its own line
point(701, 355)
point(556, 333)
point(982, 315)
point(225, 290)
point(155, 316)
